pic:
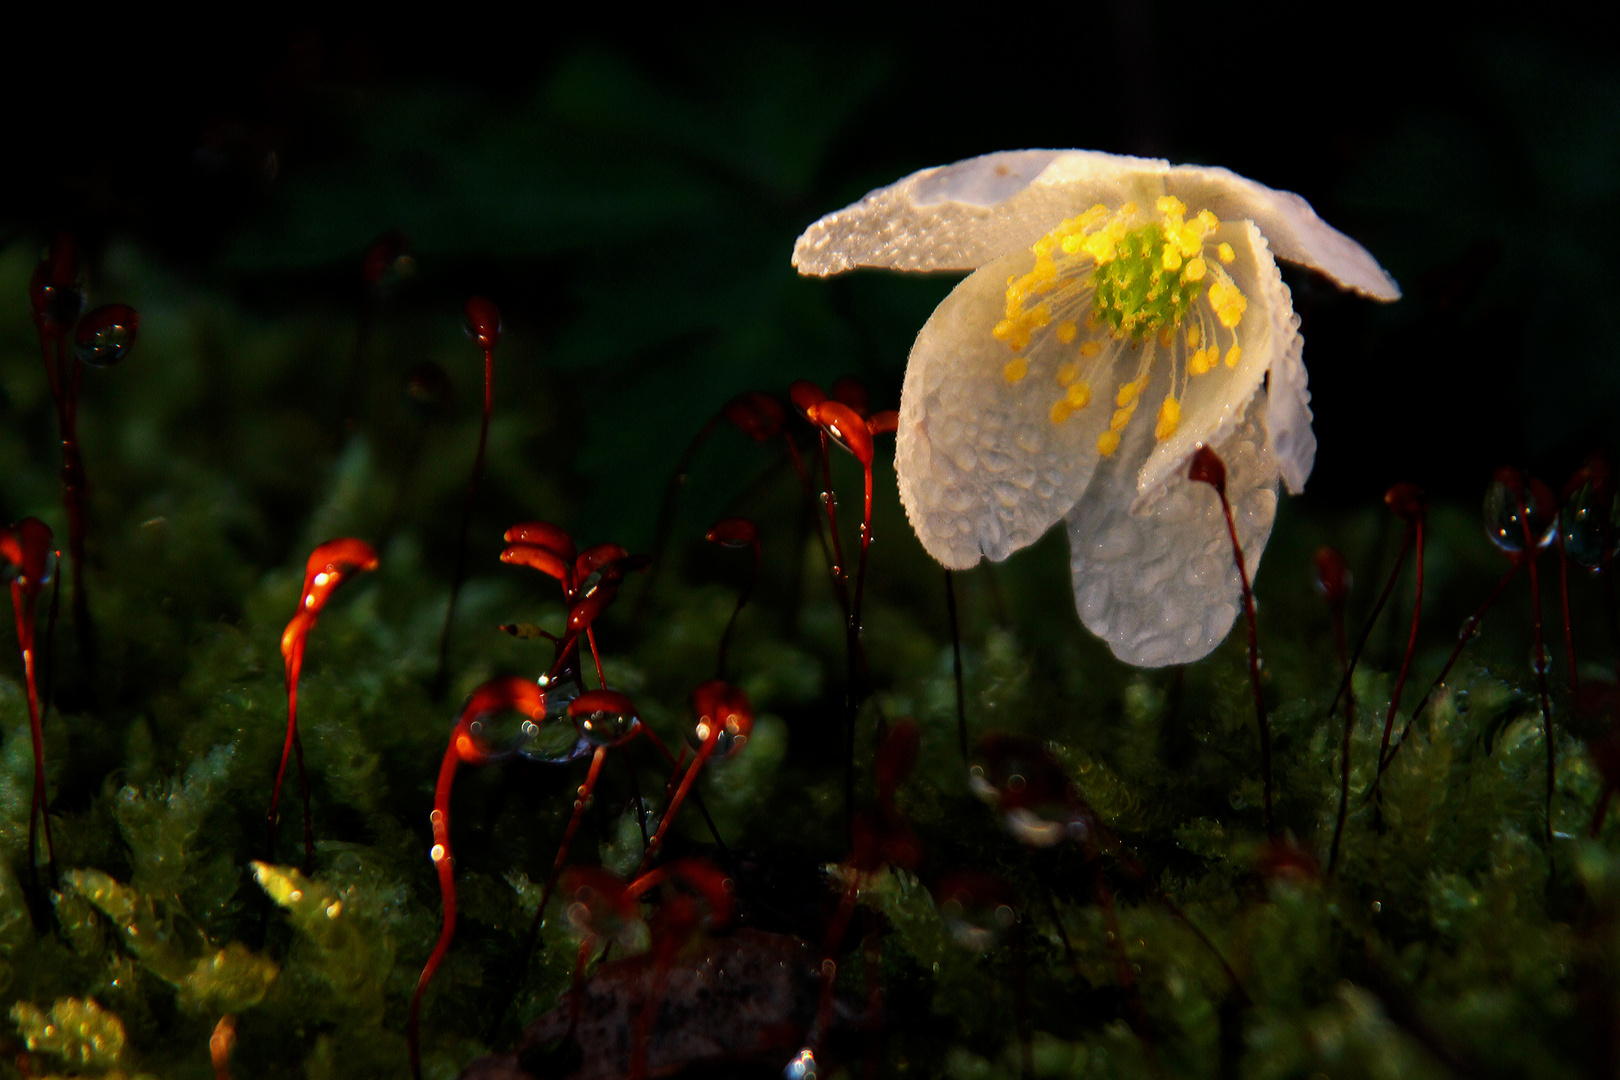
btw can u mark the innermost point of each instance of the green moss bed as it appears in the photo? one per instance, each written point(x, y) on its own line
point(1453, 937)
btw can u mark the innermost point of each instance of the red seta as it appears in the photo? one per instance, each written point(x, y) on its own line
point(328, 566)
point(26, 547)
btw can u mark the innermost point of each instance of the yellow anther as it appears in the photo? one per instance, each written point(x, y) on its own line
point(1233, 355)
point(1079, 395)
point(1020, 338)
point(1226, 253)
point(1192, 337)
point(1067, 372)
point(1072, 245)
point(1189, 238)
point(1066, 330)
point(1061, 410)
point(1120, 418)
point(1170, 206)
point(1169, 417)
point(1092, 322)
point(1167, 335)
point(1090, 348)
point(1171, 259)
point(1127, 394)
point(1228, 303)
point(1003, 329)
point(1016, 369)
point(1198, 362)
point(1040, 314)
point(1208, 221)
point(1195, 269)
point(1100, 245)
point(1107, 443)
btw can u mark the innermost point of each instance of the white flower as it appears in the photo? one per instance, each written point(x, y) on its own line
point(1102, 286)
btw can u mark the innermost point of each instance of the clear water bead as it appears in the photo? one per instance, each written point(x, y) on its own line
point(1587, 520)
point(1505, 505)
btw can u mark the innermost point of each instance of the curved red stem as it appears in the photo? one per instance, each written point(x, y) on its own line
point(442, 863)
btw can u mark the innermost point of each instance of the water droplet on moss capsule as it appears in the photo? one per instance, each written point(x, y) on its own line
point(104, 336)
point(1587, 519)
point(1508, 499)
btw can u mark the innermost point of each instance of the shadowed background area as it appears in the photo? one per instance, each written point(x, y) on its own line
point(629, 198)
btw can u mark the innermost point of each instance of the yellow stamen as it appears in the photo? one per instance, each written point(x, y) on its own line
point(1061, 410)
point(1233, 355)
point(1127, 394)
point(1079, 395)
point(1228, 303)
point(1170, 206)
point(1107, 443)
point(1171, 259)
point(1169, 417)
point(1226, 253)
point(1195, 270)
point(1198, 363)
point(1192, 337)
point(1016, 369)
point(1066, 330)
point(1120, 419)
point(1090, 348)
point(1068, 372)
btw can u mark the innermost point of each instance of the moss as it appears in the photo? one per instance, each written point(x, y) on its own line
point(1453, 936)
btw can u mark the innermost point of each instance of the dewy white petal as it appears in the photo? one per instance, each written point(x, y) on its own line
point(1161, 587)
point(961, 216)
point(982, 469)
point(1288, 408)
point(1292, 228)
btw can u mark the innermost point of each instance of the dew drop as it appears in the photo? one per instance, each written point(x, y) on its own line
point(1504, 522)
point(802, 1067)
point(104, 336)
point(1587, 519)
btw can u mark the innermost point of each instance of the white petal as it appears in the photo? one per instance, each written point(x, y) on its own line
point(1213, 404)
point(982, 468)
point(1160, 586)
point(961, 216)
point(1288, 411)
point(1294, 231)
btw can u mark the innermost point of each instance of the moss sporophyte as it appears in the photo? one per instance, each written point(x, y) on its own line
point(794, 873)
point(1101, 283)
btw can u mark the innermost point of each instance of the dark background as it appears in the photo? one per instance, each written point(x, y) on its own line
point(628, 192)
